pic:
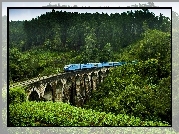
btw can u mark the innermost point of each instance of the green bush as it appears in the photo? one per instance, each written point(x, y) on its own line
point(61, 114)
point(29, 64)
point(17, 95)
point(135, 90)
point(154, 44)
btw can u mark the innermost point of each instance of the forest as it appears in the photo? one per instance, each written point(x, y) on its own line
point(132, 95)
point(77, 38)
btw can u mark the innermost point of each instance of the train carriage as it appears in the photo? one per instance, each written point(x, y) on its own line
point(72, 67)
point(107, 64)
point(117, 64)
point(96, 65)
point(86, 66)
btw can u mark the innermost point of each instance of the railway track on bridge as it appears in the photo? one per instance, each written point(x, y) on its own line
point(28, 82)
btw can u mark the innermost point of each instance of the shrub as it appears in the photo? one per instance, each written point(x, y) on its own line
point(61, 114)
point(17, 95)
point(135, 90)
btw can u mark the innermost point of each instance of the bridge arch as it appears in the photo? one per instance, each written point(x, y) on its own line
point(33, 96)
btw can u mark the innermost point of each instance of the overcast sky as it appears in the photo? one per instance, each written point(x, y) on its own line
point(28, 14)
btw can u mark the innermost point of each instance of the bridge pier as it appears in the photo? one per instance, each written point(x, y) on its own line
point(54, 95)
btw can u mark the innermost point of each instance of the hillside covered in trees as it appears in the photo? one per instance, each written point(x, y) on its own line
point(45, 44)
point(134, 94)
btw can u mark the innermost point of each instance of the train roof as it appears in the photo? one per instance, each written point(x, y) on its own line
point(111, 62)
point(96, 63)
point(71, 64)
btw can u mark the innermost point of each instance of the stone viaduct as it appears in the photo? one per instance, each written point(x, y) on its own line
point(70, 87)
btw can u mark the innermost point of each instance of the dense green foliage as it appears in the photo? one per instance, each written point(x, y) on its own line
point(61, 114)
point(143, 89)
point(17, 95)
point(76, 30)
point(34, 62)
point(131, 90)
point(77, 38)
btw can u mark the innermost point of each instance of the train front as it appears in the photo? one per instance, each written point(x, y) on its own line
point(66, 68)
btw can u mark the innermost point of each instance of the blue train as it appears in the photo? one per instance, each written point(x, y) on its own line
point(75, 67)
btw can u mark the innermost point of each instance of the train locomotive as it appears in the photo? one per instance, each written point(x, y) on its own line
point(76, 67)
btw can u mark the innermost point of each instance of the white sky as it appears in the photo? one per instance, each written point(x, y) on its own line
point(27, 14)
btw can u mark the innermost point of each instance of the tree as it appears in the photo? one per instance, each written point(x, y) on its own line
point(106, 54)
point(90, 52)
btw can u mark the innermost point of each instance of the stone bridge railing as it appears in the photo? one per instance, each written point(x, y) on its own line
point(72, 87)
